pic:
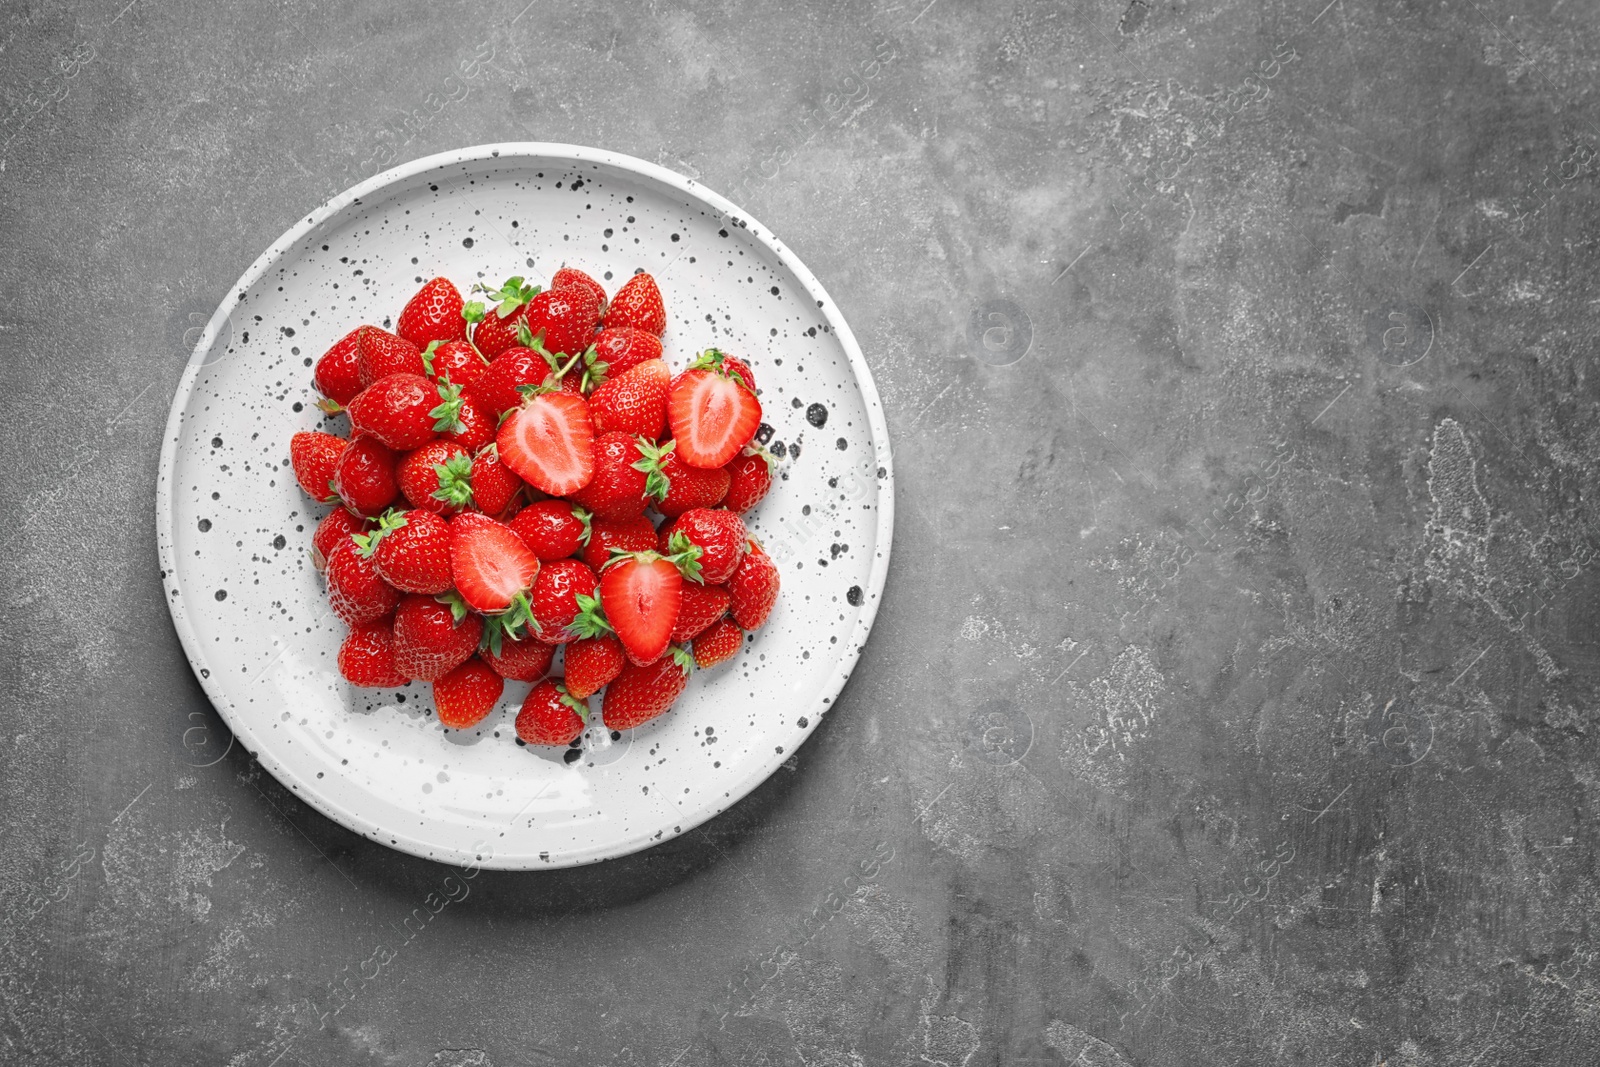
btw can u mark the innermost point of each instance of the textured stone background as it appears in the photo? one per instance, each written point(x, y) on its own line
point(1233, 699)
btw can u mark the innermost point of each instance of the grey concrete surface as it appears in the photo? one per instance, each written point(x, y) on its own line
point(1233, 700)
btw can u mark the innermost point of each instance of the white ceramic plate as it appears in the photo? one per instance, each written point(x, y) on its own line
point(234, 530)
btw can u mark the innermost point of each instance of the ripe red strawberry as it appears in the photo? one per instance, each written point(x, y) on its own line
point(434, 314)
point(718, 643)
point(380, 353)
point(702, 606)
point(551, 715)
point(711, 415)
point(496, 388)
point(638, 303)
point(549, 442)
point(738, 370)
point(556, 593)
point(474, 424)
point(637, 534)
point(337, 375)
point(563, 320)
point(718, 533)
point(456, 361)
point(494, 485)
point(314, 455)
point(553, 529)
point(364, 476)
point(569, 276)
point(437, 477)
point(592, 662)
point(642, 594)
point(356, 592)
point(337, 525)
point(620, 480)
point(689, 487)
point(411, 550)
point(754, 587)
point(633, 402)
point(622, 348)
point(492, 568)
point(639, 694)
point(749, 478)
point(366, 658)
point(398, 410)
point(433, 637)
point(495, 327)
point(467, 694)
point(523, 659)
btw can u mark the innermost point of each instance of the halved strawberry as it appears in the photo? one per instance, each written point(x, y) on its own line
point(638, 303)
point(689, 487)
point(411, 550)
point(711, 415)
point(553, 529)
point(702, 606)
point(621, 466)
point(356, 592)
point(749, 478)
point(551, 715)
point(380, 353)
point(754, 588)
point(642, 594)
point(549, 443)
point(337, 375)
point(399, 410)
point(718, 533)
point(563, 320)
point(720, 642)
point(637, 534)
point(495, 329)
point(497, 388)
point(433, 635)
point(455, 361)
point(622, 348)
point(493, 570)
point(521, 658)
point(467, 694)
point(569, 276)
point(639, 694)
point(366, 658)
point(434, 314)
point(337, 525)
point(437, 477)
point(592, 662)
point(634, 402)
point(314, 455)
point(364, 476)
point(494, 485)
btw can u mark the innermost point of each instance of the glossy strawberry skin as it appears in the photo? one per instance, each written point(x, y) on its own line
point(691, 487)
point(467, 694)
point(496, 387)
point(570, 276)
point(552, 529)
point(622, 348)
point(592, 662)
point(337, 375)
point(567, 317)
point(638, 303)
point(336, 526)
point(634, 402)
point(546, 719)
point(749, 478)
point(494, 485)
point(642, 597)
point(720, 535)
point(415, 557)
point(418, 475)
point(525, 659)
point(434, 314)
point(754, 589)
point(495, 335)
point(314, 455)
point(637, 534)
point(365, 476)
point(702, 606)
point(476, 425)
point(428, 642)
point(639, 694)
point(395, 409)
point(555, 597)
point(456, 361)
point(356, 592)
point(489, 564)
point(712, 417)
point(366, 657)
point(718, 643)
point(380, 353)
point(616, 491)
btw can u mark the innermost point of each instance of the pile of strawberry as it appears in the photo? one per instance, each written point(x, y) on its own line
point(494, 495)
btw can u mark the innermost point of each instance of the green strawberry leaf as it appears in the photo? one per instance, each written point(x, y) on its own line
point(458, 607)
point(427, 355)
point(447, 415)
point(682, 658)
point(591, 619)
point(586, 517)
point(455, 481)
point(579, 706)
point(329, 406)
point(685, 555)
point(473, 311)
point(388, 522)
point(656, 482)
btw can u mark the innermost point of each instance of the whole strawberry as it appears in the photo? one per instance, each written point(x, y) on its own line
point(720, 642)
point(639, 694)
point(689, 487)
point(563, 320)
point(621, 348)
point(434, 314)
point(455, 361)
point(437, 477)
point(638, 303)
point(494, 485)
point(467, 694)
point(356, 592)
point(702, 606)
point(617, 488)
point(474, 424)
point(754, 589)
point(521, 658)
point(337, 375)
point(551, 715)
point(553, 529)
point(497, 387)
point(570, 276)
point(633, 402)
point(411, 550)
point(494, 324)
point(559, 593)
point(592, 662)
point(366, 658)
point(380, 353)
point(337, 525)
point(606, 536)
point(397, 409)
point(718, 533)
point(433, 636)
point(749, 478)
point(314, 456)
point(364, 477)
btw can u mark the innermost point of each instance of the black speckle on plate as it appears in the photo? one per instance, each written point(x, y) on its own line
point(817, 415)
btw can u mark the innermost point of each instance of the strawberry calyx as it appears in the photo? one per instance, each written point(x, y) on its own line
point(594, 370)
point(682, 657)
point(656, 482)
point(447, 415)
point(511, 295)
point(528, 339)
point(329, 406)
point(388, 522)
point(685, 555)
point(585, 516)
point(427, 356)
point(508, 625)
point(458, 607)
point(519, 616)
point(591, 619)
point(712, 359)
point(455, 481)
point(581, 707)
point(756, 448)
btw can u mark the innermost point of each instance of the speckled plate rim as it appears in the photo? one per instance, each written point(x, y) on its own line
point(565, 153)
